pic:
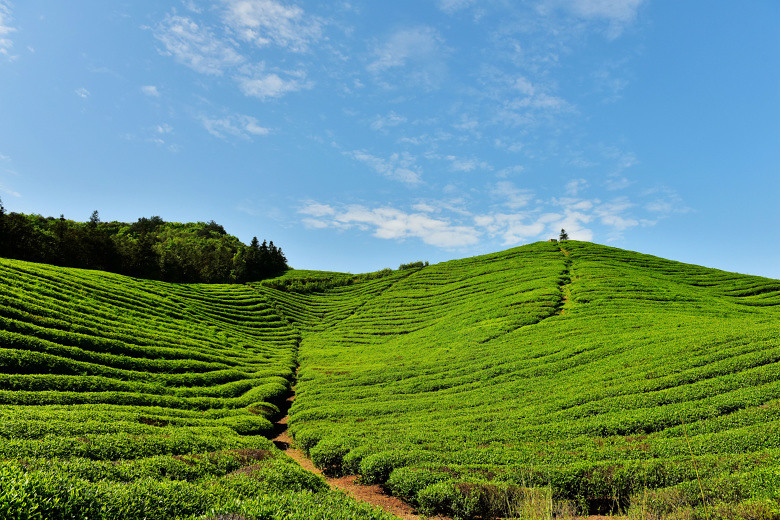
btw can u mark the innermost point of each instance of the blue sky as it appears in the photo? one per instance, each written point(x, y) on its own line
point(359, 134)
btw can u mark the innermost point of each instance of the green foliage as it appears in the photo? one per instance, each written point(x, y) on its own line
point(328, 455)
point(413, 265)
point(567, 369)
point(134, 399)
point(148, 248)
point(551, 372)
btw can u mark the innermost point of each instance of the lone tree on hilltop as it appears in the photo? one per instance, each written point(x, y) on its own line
point(563, 236)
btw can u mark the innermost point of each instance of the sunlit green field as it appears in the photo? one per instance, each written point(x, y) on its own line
point(585, 377)
point(600, 374)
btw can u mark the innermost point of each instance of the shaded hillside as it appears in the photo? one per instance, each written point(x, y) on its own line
point(149, 248)
point(602, 373)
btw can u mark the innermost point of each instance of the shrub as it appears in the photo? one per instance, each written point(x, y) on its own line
point(247, 424)
point(351, 461)
point(376, 468)
point(437, 499)
point(328, 455)
point(307, 439)
point(407, 482)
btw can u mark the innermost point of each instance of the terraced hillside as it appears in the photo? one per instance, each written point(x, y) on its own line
point(570, 376)
point(130, 399)
point(598, 374)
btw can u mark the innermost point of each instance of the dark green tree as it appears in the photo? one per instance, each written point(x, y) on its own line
point(94, 220)
point(563, 236)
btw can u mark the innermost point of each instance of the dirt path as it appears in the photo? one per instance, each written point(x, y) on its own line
point(373, 495)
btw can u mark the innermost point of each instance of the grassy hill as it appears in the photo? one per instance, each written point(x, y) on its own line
point(570, 374)
point(596, 373)
point(131, 399)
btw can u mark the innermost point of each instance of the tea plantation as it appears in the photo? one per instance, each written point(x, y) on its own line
point(132, 399)
point(595, 378)
point(608, 378)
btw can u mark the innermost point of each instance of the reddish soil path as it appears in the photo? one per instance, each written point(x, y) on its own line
point(373, 495)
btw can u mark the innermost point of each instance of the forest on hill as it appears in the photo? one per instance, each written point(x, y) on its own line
point(148, 248)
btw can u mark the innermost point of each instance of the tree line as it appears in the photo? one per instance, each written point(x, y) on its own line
point(149, 248)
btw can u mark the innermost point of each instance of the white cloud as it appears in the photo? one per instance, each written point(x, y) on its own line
point(237, 125)
point(5, 29)
point(399, 166)
point(665, 202)
point(82, 93)
point(512, 228)
point(514, 197)
point(259, 84)
point(9, 191)
point(460, 164)
point(617, 182)
point(613, 214)
point(423, 207)
point(393, 224)
point(265, 22)
point(617, 13)
point(622, 11)
point(519, 101)
point(420, 51)
point(450, 6)
point(574, 186)
point(510, 171)
point(196, 46)
point(150, 90)
point(315, 209)
point(389, 120)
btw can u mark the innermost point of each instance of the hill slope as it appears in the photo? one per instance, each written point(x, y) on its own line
point(599, 372)
point(131, 399)
point(575, 372)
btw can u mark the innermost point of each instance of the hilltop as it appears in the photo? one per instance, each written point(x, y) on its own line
point(554, 375)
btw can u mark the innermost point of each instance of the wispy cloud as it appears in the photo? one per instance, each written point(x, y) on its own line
point(518, 216)
point(5, 29)
point(511, 196)
point(82, 93)
point(399, 166)
point(451, 6)
point(617, 13)
point(575, 186)
point(236, 125)
point(461, 164)
point(515, 228)
point(390, 223)
point(664, 202)
point(266, 22)
point(5, 189)
point(196, 46)
point(419, 52)
point(386, 121)
point(150, 90)
point(226, 47)
point(256, 82)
